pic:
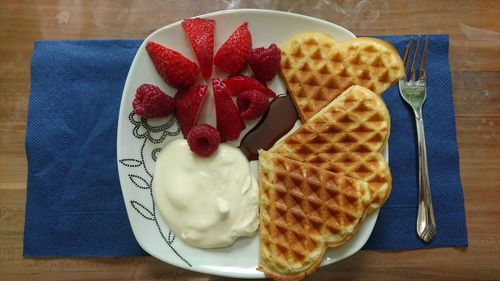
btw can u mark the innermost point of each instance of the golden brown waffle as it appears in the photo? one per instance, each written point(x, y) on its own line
point(347, 137)
point(304, 210)
point(316, 68)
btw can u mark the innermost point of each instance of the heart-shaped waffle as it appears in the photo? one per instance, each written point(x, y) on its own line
point(316, 68)
point(304, 210)
point(347, 137)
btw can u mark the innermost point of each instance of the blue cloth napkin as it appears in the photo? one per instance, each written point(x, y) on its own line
point(74, 202)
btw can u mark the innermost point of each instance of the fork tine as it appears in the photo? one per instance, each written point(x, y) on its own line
point(407, 54)
point(414, 63)
point(421, 76)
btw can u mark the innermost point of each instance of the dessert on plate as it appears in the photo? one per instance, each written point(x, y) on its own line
point(316, 68)
point(207, 201)
point(316, 186)
point(203, 187)
point(303, 210)
point(347, 137)
point(340, 146)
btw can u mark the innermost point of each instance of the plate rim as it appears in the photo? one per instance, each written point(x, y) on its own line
point(122, 116)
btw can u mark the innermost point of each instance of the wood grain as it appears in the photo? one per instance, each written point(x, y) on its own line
point(474, 29)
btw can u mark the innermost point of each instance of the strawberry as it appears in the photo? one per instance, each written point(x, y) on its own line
point(232, 55)
point(265, 62)
point(173, 67)
point(238, 84)
point(188, 104)
point(229, 122)
point(200, 33)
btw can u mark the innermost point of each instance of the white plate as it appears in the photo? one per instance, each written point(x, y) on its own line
point(139, 141)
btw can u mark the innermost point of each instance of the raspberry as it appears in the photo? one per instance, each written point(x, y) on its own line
point(203, 139)
point(151, 102)
point(265, 62)
point(252, 104)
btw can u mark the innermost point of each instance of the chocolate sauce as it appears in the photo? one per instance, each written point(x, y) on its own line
point(276, 122)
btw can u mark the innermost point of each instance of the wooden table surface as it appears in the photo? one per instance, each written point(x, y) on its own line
point(474, 29)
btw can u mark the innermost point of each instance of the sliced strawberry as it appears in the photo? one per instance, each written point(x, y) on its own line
point(173, 67)
point(229, 122)
point(232, 55)
point(188, 104)
point(200, 33)
point(238, 84)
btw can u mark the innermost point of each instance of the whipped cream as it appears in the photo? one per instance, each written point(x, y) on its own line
point(208, 202)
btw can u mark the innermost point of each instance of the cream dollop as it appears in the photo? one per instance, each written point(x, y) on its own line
point(208, 202)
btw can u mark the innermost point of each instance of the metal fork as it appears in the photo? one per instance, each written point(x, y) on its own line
point(414, 92)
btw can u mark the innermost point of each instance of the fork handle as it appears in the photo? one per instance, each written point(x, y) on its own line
point(426, 223)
